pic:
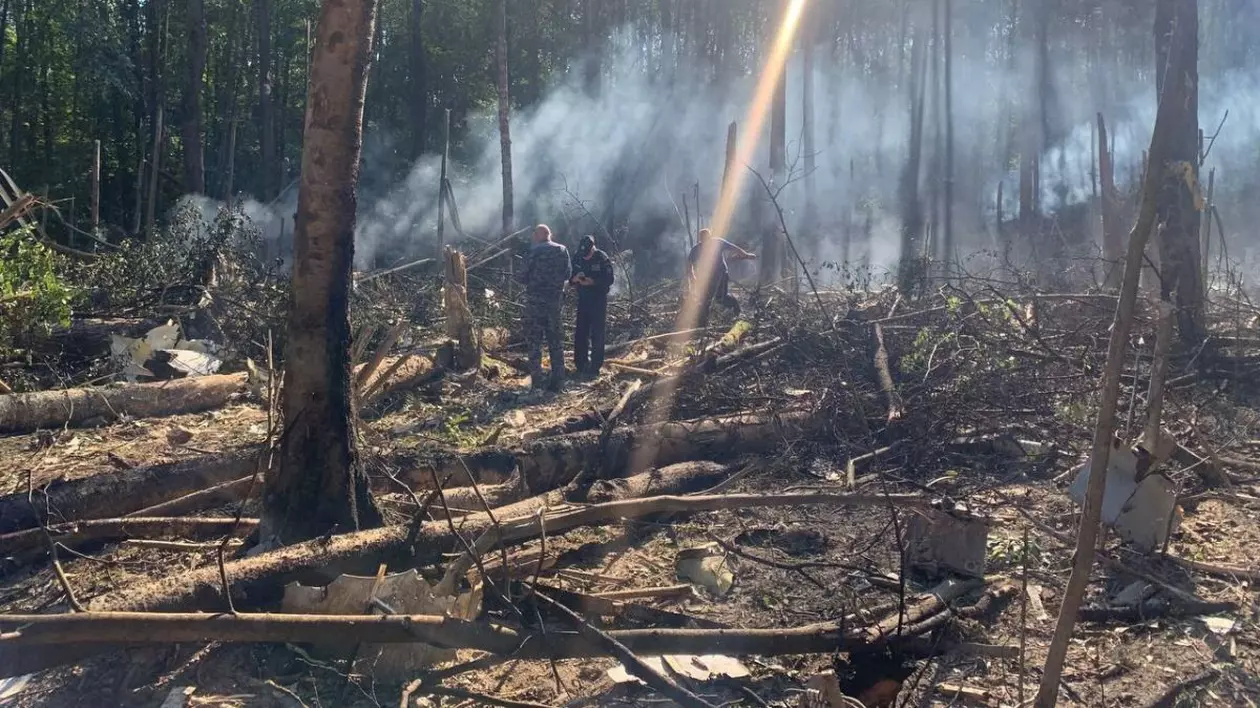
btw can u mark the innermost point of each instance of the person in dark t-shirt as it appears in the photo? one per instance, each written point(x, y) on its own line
point(592, 278)
point(709, 256)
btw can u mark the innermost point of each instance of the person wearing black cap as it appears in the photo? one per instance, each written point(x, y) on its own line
point(592, 278)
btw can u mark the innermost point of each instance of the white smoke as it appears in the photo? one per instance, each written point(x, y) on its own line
point(633, 149)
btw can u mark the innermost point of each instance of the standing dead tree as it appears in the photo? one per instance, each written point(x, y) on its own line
point(1104, 429)
point(1113, 239)
point(1177, 77)
point(319, 484)
point(505, 131)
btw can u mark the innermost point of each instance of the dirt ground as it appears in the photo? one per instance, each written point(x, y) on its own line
point(792, 566)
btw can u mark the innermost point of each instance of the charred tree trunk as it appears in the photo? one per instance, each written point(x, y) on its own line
point(194, 160)
point(1177, 79)
point(419, 81)
point(266, 112)
point(320, 484)
point(505, 131)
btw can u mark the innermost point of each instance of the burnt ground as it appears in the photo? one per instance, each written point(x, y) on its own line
point(965, 367)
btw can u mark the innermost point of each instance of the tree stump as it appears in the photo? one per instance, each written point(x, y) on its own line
point(459, 320)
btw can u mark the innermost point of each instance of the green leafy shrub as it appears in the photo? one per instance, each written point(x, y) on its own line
point(33, 296)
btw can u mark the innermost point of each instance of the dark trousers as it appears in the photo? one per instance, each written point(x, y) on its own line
point(719, 290)
point(588, 336)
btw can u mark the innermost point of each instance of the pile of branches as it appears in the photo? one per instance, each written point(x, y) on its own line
point(901, 390)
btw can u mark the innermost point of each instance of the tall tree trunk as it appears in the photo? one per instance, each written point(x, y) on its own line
point(22, 23)
point(266, 112)
point(505, 132)
point(948, 177)
point(281, 108)
point(155, 171)
point(1177, 79)
point(1104, 428)
point(4, 33)
point(910, 270)
point(810, 38)
point(668, 59)
point(419, 81)
point(590, 62)
point(1029, 142)
point(194, 160)
point(772, 247)
point(229, 102)
point(1113, 239)
point(319, 484)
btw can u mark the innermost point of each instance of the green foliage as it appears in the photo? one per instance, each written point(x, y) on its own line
point(1008, 552)
point(217, 266)
point(33, 296)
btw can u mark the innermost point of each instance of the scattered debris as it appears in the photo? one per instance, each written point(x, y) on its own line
point(1140, 505)
point(707, 566)
point(400, 593)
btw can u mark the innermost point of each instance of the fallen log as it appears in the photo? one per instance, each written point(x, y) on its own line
point(896, 408)
point(396, 374)
point(259, 580)
point(510, 499)
point(1152, 610)
point(97, 630)
point(87, 338)
point(28, 412)
point(657, 680)
point(549, 463)
point(101, 530)
point(219, 494)
point(117, 494)
point(710, 362)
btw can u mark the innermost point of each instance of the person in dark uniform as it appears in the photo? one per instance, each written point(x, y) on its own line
point(592, 278)
point(708, 260)
point(544, 275)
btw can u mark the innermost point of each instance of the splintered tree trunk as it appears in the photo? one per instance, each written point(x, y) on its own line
point(1177, 78)
point(419, 81)
point(1113, 239)
point(319, 484)
point(194, 160)
point(446, 153)
point(460, 326)
point(505, 132)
